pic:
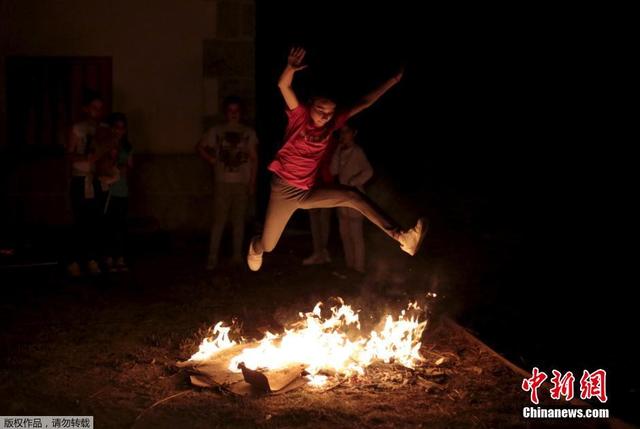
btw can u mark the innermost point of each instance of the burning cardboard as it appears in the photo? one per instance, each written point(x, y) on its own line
point(310, 349)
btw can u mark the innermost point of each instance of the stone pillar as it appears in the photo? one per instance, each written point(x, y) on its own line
point(229, 59)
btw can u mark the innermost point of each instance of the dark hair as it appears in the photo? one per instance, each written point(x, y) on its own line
point(354, 129)
point(89, 96)
point(326, 97)
point(232, 99)
point(121, 117)
point(351, 125)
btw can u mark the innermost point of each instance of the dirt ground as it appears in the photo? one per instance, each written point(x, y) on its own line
point(107, 347)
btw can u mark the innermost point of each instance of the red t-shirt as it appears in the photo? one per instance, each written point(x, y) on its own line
point(324, 170)
point(298, 160)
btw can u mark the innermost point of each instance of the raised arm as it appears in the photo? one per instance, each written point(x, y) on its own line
point(374, 95)
point(294, 63)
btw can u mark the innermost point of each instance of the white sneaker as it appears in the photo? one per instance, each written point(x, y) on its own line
point(325, 255)
point(93, 268)
point(317, 258)
point(73, 269)
point(411, 240)
point(254, 259)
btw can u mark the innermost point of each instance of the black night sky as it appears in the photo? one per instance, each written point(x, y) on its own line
point(509, 113)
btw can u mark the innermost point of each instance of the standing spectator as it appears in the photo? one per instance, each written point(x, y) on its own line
point(84, 186)
point(352, 167)
point(231, 149)
point(116, 179)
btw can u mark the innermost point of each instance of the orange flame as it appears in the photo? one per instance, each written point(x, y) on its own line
point(322, 344)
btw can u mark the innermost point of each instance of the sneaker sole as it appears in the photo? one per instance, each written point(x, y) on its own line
point(254, 261)
point(254, 265)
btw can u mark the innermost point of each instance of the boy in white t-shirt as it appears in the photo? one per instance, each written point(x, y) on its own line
point(352, 167)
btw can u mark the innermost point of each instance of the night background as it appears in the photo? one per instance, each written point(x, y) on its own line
point(505, 131)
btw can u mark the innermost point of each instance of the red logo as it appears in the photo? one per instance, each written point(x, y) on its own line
point(562, 385)
point(592, 384)
point(532, 384)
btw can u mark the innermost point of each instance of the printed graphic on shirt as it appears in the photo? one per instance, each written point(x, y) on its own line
point(233, 153)
point(316, 138)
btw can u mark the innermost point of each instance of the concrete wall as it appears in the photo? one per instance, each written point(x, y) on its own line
point(156, 48)
point(173, 62)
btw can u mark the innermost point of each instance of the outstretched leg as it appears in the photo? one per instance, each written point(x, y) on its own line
point(343, 196)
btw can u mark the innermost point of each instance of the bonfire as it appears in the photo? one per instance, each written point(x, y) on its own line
point(316, 348)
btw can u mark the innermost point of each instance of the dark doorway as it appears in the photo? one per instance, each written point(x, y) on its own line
point(44, 98)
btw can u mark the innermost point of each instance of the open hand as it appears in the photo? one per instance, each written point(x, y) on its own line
point(296, 56)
